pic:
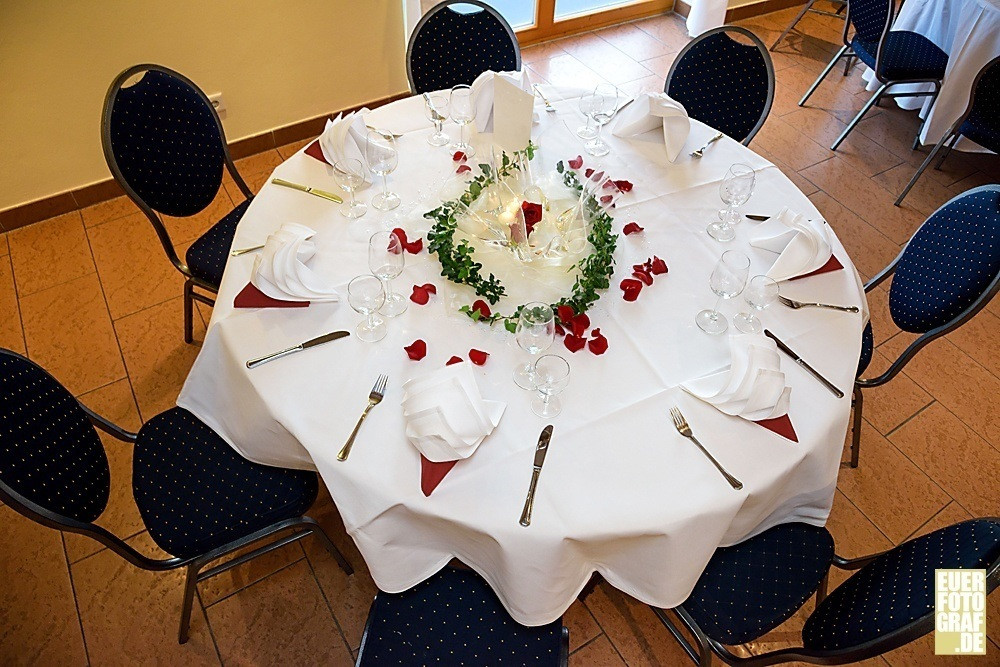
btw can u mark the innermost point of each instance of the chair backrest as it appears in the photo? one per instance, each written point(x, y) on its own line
point(983, 112)
point(951, 266)
point(452, 45)
point(870, 19)
point(724, 83)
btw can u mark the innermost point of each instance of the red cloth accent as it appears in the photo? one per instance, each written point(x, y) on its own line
point(781, 425)
point(832, 264)
point(251, 297)
point(432, 473)
point(314, 150)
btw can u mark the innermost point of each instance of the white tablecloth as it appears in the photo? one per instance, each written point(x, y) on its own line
point(621, 493)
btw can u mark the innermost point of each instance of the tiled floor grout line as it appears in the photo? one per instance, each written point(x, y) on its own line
point(909, 419)
point(76, 602)
point(104, 548)
point(254, 582)
point(329, 607)
point(17, 297)
point(591, 641)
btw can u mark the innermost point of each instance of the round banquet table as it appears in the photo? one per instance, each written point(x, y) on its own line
point(621, 493)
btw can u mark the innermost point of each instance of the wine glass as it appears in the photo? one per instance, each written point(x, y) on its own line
point(586, 131)
point(604, 103)
point(735, 190)
point(462, 107)
point(536, 328)
point(366, 296)
point(380, 150)
point(760, 293)
point(350, 175)
point(436, 108)
point(727, 281)
point(551, 378)
point(386, 258)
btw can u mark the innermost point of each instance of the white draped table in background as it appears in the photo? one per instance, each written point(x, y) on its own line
point(621, 493)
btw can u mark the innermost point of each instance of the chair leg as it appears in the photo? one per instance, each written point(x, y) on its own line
point(923, 121)
point(856, 429)
point(190, 581)
point(812, 88)
point(848, 64)
point(857, 119)
point(188, 311)
point(318, 531)
point(793, 24)
point(947, 151)
point(927, 161)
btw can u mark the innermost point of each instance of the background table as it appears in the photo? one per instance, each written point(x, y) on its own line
point(622, 493)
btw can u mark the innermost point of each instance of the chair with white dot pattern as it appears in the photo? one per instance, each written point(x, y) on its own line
point(750, 588)
point(724, 83)
point(165, 146)
point(947, 272)
point(456, 41)
point(199, 499)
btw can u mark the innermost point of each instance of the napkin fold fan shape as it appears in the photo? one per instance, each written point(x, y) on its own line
point(483, 94)
point(651, 111)
point(803, 245)
point(281, 276)
point(343, 137)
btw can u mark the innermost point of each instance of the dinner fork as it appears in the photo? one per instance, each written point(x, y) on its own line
point(374, 398)
point(384, 133)
point(701, 151)
point(682, 427)
point(243, 251)
point(795, 305)
point(548, 105)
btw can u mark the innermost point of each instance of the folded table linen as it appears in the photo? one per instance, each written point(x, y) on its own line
point(483, 94)
point(651, 111)
point(281, 269)
point(343, 137)
point(803, 245)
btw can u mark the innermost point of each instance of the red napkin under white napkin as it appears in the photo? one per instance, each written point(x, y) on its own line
point(781, 425)
point(431, 473)
point(832, 264)
point(251, 297)
point(314, 150)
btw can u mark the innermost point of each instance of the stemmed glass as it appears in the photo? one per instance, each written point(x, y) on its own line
point(536, 328)
point(380, 150)
point(386, 260)
point(735, 190)
point(462, 106)
point(587, 131)
point(760, 293)
point(366, 296)
point(350, 175)
point(551, 378)
point(436, 108)
point(727, 281)
point(604, 103)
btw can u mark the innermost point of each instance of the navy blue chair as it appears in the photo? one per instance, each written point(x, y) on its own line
point(751, 588)
point(456, 41)
point(947, 272)
point(980, 122)
point(164, 144)
point(199, 499)
point(896, 57)
point(455, 618)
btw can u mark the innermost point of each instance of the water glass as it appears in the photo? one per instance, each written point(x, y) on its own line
point(380, 150)
point(350, 175)
point(536, 328)
point(735, 190)
point(760, 293)
point(436, 108)
point(586, 131)
point(386, 259)
point(551, 378)
point(366, 296)
point(727, 281)
point(462, 107)
point(604, 103)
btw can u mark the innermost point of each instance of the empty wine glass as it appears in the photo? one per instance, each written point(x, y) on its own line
point(727, 281)
point(551, 378)
point(587, 130)
point(436, 108)
point(386, 259)
point(604, 103)
point(735, 190)
point(350, 175)
point(462, 107)
point(760, 293)
point(380, 150)
point(536, 328)
point(366, 296)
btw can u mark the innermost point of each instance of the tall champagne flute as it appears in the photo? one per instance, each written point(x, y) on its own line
point(380, 150)
point(735, 190)
point(366, 296)
point(727, 281)
point(551, 378)
point(350, 175)
point(536, 328)
point(386, 258)
point(436, 107)
point(604, 103)
point(462, 107)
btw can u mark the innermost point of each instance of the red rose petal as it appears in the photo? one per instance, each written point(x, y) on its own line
point(606, 199)
point(643, 276)
point(454, 360)
point(624, 186)
point(658, 266)
point(588, 173)
point(414, 247)
point(532, 214)
point(416, 350)
point(430, 288)
point(609, 184)
point(631, 287)
point(401, 234)
point(598, 344)
point(577, 163)
point(478, 357)
point(420, 295)
point(598, 176)
point(580, 324)
point(560, 330)
point(565, 313)
point(459, 156)
point(633, 228)
point(574, 343)
point(464, 168)
point(482, 307)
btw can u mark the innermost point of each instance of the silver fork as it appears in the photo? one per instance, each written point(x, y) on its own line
point(795, 305)
point(243, 251)
point(374, 398)
point(548, 105)
point(682, 427)
point(701, 151)
point(384, 133)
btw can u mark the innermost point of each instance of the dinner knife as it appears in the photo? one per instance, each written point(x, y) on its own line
point(757, 218)
point(540, 450)
point(313, 342)
point(801, 362)
point(305, 188)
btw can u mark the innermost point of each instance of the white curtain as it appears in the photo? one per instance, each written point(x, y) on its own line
point(705, 15)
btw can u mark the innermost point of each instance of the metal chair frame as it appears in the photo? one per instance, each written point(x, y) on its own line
point(847, 52)
point(194, 574)
point(809, 8)
point(442, 6)
point(702, 655)
point(767, 63)
point(191, 281)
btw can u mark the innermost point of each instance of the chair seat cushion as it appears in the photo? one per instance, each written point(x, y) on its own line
point(453, 618)
point(196, 493)
point(898, 587)
point(907, 55)
point(867, 348)
point(752, 587)
point(207, 256)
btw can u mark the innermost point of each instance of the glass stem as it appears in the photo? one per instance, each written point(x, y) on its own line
point(715, 309)
point(371, 320)
point(597, 139)
point(388, 288)
point(385, 186)
point(731, 214)
point(437, 127)
point(353, 202)
point(461, 135)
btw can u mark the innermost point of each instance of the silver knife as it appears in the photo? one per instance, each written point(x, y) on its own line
point(307, 189)
point(540, 450)
point(801, 362)
point(319, 340)
point(757, 218)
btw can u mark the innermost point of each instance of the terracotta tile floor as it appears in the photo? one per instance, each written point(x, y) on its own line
point(91, 296)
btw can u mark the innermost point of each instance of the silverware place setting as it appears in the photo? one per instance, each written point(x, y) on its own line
point(323, 194)
point(312, 342)
point(680, 423)
point(536, 469)
point(701, 151)
point(374, 398)
point(545, 101)
point(384, 133)
point(243, 251)
point(757, 218)
point(802, 362)
point(795, 305)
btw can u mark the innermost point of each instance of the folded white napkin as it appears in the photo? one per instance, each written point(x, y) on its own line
point(446, 416)
point(804, 244)
point(651, 111)
point(482, 91)
point(280, 270)
point(752, 386)
point(345, 137)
